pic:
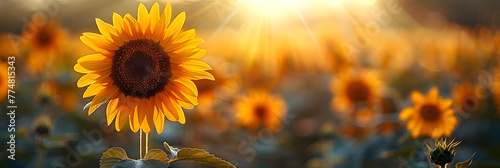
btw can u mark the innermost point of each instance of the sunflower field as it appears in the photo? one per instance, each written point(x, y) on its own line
point(250, 83)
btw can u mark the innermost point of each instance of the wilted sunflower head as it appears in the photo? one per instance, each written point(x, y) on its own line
point(144, 68)
point(443, 152)
point(42, 126)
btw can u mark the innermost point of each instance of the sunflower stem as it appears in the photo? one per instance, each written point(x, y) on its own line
point(143, 143)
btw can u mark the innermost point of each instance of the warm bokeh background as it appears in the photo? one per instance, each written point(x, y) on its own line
point(299, 83)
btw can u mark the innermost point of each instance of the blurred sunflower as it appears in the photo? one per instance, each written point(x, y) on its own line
point(393, 54)
point(431, 115)
point(7, 47)
point(351, 88)
point(4, 85)
point(495, 88)
point(260, 108)
point(51, 92)
point(438, 50)
point(42, 126)
point(43, 41)
point(210, 92)
point(467, 97)
point(144, 68)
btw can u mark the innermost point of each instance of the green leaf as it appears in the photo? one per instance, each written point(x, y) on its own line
point(112, 156)
point(130, 163)
point(201, 156)
point(466, 163)
point(156, 154)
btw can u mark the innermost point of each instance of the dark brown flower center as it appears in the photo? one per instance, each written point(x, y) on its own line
point(261, 112)
point(141, 68)
point(430, 112)
point(357, 91)
point(44, 37)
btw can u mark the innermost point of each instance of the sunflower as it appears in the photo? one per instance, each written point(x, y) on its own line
point(351, 88)
point(495, 88)
point(430, 115)
point(144, 68)
point(468, 97)
point(260, 108)
point(44, 41)
point(4, 85)
point(7, 46)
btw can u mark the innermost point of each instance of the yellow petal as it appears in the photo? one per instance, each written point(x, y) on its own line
point(141, 111)
point(118, 22)
point(184, 97)
point(121, 118)
point(196, 65)
point(111, 110)
point(101, 42)
point(106, 29)
point(130, 25)
point(93, 89)
point(80, 69)
point(188, 45)
point(179, 58)
point(417, 97)
point(142, 17)
point(87, 79)
point(174, 28)
point(92, 57)
point(184, 36)
point(433, 94)
point(186, 86)
point(172, 106)
point(406, 113)
point(134, 119)
point(154, 16)
point(103, 51)
point(162, 108)
point(194, 75)
point(109, 93)
point(159, 120)
point(150, 112)
point(446, 103)
point(146, 126)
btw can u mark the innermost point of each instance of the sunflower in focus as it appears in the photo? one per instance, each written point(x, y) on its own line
point(4, 85)
point(351, 88)
point(260, 108)
point(431, 115)
point(44, 41)
point(144, 68)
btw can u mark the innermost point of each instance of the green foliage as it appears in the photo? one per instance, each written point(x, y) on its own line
point(201, 156)
point(465, 163)
point(117, 158)
point(156, 158)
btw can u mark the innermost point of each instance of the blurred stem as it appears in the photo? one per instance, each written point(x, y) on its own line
point(143, 143)
point(441, 166)
point(41, 157)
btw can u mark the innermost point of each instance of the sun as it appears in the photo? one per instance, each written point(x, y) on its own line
point(429, 116)
point(144, 69)
point(260, 109)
